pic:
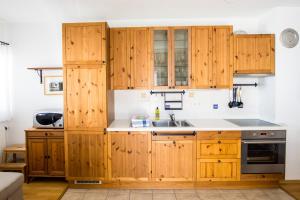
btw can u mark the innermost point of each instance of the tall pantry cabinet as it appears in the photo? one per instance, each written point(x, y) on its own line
point(86, 99)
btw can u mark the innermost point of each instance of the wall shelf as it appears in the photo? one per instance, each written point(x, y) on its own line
point(39, 71)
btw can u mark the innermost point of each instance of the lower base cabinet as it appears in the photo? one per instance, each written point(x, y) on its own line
point(173, 157)
point(86, 155)
point(218, 169)
point(45, 153)
point(129, 156)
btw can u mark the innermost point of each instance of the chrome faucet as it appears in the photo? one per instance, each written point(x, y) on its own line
point(172, 117)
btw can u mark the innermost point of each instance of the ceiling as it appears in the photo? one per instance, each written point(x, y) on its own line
point(96, 10)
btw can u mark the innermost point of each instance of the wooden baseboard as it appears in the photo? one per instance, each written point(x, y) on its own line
point(182, 185)
point(289, 181)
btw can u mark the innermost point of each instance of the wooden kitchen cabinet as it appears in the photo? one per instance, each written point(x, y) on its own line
point(173, 158)
point(218, 156)
point(218, 169)
point(86, 154)
point(88, 101)
point(171, 63)
point(254, 54)
point(45, 152)
point(85, 97)
point(130, 58)
point(84, 43)
point(212, 62)
point(129, 156)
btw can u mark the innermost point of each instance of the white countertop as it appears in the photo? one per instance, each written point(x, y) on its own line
point(198, 125)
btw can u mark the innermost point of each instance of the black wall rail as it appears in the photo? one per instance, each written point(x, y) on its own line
point(245, 84)
point(4, 43)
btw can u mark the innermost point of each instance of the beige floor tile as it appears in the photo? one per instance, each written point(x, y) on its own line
point(142, 191)
point(94, 196)
point(117, 196)
point(102, 191)
point(255, 194)
point(140, 196)
point(163, 191)
point(209, 195)
point(161, 196)
point(277, 194)
point(118, 191)
point(185, 191)
point(187, 196)
point(73, 196)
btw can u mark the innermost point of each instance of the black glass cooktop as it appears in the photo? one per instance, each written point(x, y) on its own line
point(250, 122)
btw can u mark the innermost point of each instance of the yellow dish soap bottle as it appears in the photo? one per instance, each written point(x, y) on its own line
point(157, 114)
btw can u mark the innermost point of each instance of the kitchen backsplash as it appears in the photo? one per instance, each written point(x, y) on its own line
point(196, 103)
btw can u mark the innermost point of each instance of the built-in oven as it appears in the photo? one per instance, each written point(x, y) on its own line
point(263, 151)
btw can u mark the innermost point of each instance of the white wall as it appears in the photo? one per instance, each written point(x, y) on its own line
point(34, 44)
point(282, 93)
point(197, 103)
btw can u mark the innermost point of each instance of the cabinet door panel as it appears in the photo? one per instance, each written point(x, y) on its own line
point(86, 153)
point(129, 156)
point(173, 160)
point(37, 152)
point(264, 54)
point(161, 57)
point(218, 149)
point(181, 57)
point(84, 43)
point(202, 57)
point(140, 58)
point(120, 58)
point(244, 55)
point(85, 97)
point(218, 169)
point(222, 57)
point(56, 157)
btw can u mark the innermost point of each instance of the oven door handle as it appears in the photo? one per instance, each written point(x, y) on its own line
point(263, 141)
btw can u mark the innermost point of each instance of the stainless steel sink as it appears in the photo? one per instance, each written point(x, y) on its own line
point(164, 123)
point(170, 123)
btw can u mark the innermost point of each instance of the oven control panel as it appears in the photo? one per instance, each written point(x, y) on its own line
point(276, 134)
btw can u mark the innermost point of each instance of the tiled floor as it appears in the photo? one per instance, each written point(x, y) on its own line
point(113, 194)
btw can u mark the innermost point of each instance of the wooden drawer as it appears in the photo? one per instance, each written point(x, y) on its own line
point(207, 135)
point(219, 148)
point(218, 169)
point(169, 136)
point(45, 133)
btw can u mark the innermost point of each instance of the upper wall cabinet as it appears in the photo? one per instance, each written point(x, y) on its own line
point(212, 57)
point(254, 54)
point(130, 58)
point(171, 57)
point(84, 43)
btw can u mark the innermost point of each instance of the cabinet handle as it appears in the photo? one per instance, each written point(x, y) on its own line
point(132, 88)
point(219, 161)
point(215, 86)
point(128, 87)
point(128, 132)
point(219, 132)
point(170, 87)
point(219, 142)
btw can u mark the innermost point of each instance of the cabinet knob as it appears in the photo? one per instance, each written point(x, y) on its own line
point(128, 87)
point(219, 142)
point(46, 134)
point(219, 161)
point(219, 132)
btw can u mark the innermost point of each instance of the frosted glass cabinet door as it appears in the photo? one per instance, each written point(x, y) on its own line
point(161, 57)
point(181, 57)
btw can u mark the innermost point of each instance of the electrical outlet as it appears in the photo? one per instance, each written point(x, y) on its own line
point(143, 95)
point(191, 94)
point(215, 106)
